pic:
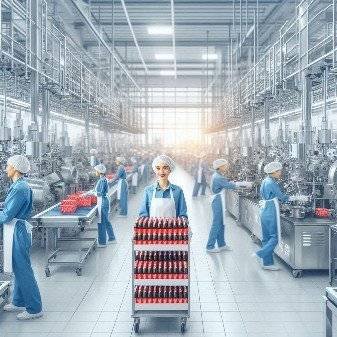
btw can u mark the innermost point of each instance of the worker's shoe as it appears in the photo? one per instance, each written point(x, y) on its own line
point(271, 267)
point(24, 316)
point(110, 242)
point(225, 248)
point(10, 307)
point(213, 250)
point(101, 246)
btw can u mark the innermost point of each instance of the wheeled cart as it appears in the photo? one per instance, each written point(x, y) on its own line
point(332, 254)
point(161, 272)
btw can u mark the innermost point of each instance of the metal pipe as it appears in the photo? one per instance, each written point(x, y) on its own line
point(133, 34)
point(78, 6)
point(173, 39)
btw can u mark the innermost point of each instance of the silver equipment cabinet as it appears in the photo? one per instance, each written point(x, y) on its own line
point(331, 312)
point(145, 310)
point(332, 254)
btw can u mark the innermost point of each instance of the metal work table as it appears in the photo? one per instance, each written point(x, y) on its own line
point(331, 312)
point(304, 242)
point(53, 221)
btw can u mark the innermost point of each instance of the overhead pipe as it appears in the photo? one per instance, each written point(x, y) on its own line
point(78, 5)
point(133, 35)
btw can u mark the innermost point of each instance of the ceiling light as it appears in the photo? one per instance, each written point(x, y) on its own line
point(211, 57)
point(160, 30)
point(165, 57)
point(167, 73)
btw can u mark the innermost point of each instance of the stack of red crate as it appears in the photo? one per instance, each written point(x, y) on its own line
point(161, 231)
point(75, 201)
point(161, 294)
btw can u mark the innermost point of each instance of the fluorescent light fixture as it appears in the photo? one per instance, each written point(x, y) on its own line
point(167, 73)
point(211, 57)
point(160, 30)
point(164, 57)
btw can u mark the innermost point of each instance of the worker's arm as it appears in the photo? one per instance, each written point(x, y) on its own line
point(279, 194)
point(181, 207)
point(14, 202)
point(144, 207)
point(220, 183)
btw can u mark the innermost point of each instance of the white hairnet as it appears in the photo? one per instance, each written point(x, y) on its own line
point(134, 159)
point(273, 167)
point(93, 151)
point(100, 168)
point(219, 162)
point(120, 159)
point(20, 163)
point(163, 159)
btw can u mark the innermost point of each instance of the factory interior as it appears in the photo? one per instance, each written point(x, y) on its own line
point(168, 168)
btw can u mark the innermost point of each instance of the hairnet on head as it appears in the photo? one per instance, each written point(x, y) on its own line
point(219, 162)
point(120, 159)
point(93, 151)
point(163, 159)
point(100, 168)
point(272, 167)
point(20, 163)
point(134, 159)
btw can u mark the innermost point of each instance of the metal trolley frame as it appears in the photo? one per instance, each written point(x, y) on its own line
point(332, 254)
point(4, 292)
point(181, 311)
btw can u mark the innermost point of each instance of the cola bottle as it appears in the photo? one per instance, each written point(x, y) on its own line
point(175, 295)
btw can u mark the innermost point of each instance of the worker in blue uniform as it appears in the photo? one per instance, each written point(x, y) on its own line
point(271, 195)
point(17, 240)
point(163, 199)
point(122, 187)
point(219, 184)
point(199, 173)
point(135, 174)
point(103, 205)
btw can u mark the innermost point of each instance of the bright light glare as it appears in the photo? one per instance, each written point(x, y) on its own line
point(211, 57)
point(167, 73)
point(160, 30)
point(165, 57)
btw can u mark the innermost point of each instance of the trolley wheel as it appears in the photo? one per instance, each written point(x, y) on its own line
point(136, 324)
point(254, 238)
point(297, 273)
point(78, 271)
point(47, 272)
point(183, 325)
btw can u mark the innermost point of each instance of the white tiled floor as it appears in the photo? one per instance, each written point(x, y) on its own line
point(230, 295)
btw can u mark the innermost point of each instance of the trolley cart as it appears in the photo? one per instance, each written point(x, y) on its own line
point(52, 220)
point(144, 310)
point(4, 292)
point(332, 254)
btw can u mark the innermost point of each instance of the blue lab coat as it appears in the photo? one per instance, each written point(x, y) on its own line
point(18, 204)
point(178, 196)
point(217, 231)
point(104, 226)
point(269, 190)
point(203, 182)
point(123, 201)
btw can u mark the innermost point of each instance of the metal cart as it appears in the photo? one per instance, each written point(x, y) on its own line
point(332, 254)
point(181, 310)
point(330, 312)
point(52, 220)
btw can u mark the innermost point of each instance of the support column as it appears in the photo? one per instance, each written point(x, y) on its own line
point(267, 140)
point(87, 130)
point(45, 115)
point(306, 110)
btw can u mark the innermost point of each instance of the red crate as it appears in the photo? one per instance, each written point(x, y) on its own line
point(68, 206)
point(93, 199)
point(85, 201)
point(322, 212)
